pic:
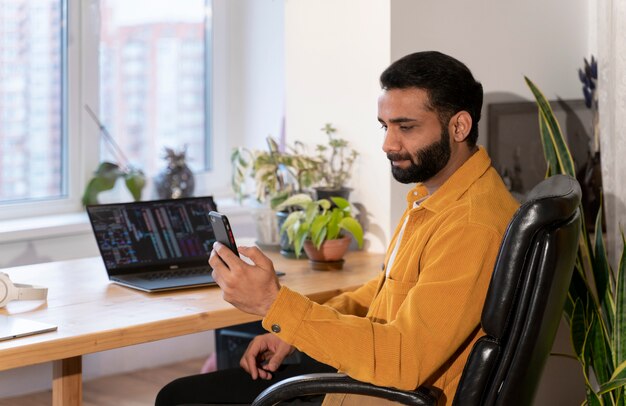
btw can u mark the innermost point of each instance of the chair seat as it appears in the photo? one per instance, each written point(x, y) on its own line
point(312, 384)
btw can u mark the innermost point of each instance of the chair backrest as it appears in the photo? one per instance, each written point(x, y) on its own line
point(525, 299)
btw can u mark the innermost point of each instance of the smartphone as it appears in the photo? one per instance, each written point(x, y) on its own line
point(223, 232)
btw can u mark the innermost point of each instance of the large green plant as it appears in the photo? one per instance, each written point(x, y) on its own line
point(596, 305)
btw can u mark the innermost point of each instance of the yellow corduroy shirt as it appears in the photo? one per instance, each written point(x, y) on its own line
point(416, 326)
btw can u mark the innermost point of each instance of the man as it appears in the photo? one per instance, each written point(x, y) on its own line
point(416, 323)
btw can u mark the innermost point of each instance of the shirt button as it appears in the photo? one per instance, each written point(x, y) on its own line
point(275, 328)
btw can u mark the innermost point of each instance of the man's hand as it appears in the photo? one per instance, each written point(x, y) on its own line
point(250, 288)
point(264, 355)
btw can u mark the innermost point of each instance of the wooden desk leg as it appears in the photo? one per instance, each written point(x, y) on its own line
point(67, 389)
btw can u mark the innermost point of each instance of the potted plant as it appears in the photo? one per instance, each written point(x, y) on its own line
point(277, 174)
point(176, 180)
point(596, 305)
point(336, 160)
point(320, 229)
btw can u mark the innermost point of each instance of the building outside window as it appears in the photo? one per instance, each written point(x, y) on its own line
point(32, 77)
point(154, 65)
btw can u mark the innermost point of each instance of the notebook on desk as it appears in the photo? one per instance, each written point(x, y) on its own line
point(14, 327)
point(156, 245)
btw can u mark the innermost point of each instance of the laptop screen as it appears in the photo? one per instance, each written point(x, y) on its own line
point(153, 235)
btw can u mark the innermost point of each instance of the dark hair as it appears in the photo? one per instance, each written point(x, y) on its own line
point(448, 82)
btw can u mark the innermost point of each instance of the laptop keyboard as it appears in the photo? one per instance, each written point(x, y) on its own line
point(177, 273)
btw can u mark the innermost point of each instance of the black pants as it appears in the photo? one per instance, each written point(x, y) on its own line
point(232, 386)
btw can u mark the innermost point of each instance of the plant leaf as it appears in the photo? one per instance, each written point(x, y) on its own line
point(278, 198)
point(300, 200)
point(578, 330)
point(548, 148)
point(577, 291)
point(340, 202)
point(599, 357)
point(611, 386)
point(602, 276)
point(324, 204)
point(334, 226)
point(321, 237)
point(109, 171)
point(319, 229)
point(620, 317)
point(104, 178)
point(353, 227)
point(618, 379)
point(592, 398)
point(564, 157)
point(135, 181)
point(291, 224)
point(299, 239)
point(94, 187)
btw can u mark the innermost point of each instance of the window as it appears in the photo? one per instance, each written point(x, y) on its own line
point(32, 105)
point(146, 73)
point(154, 67)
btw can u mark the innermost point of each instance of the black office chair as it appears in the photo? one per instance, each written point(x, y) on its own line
point(520, 317)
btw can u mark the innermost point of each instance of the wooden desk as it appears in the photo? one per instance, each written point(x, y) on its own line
point(96, 315)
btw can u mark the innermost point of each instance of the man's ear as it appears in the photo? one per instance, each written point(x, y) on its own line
point(460, 125)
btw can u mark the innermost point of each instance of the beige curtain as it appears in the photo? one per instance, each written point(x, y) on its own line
point(612, 110)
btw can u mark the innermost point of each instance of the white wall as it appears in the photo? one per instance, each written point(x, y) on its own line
point(612, 101)
point(249, 105)
point(335, 51)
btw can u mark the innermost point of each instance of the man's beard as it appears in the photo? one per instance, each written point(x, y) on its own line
point(426, 163)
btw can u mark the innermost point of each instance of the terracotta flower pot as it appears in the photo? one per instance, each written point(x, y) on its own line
point(329, 251)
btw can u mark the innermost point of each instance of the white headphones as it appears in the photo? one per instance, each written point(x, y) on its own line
point(18, 291)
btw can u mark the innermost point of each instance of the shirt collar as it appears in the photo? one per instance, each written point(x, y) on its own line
point(455, 186)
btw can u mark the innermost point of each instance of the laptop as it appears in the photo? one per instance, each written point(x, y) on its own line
point(156, 245)
point(14, 327)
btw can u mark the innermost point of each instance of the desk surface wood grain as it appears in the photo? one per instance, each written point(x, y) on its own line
point(94, 314)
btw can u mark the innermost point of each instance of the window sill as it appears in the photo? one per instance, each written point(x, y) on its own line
point(61, 225)
point(42, 227)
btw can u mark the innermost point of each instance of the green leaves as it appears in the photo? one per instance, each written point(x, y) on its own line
point(596, 305)
point(578, 332)
point(617, 380)
point(318, 221)
point(105, 178)
point(551, 135)
point(620, 311)
point(240, 165)
point(335, 160)
point(277, 173)
point(135, 181)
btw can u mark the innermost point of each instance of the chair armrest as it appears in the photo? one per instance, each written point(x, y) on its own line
point(315, 384)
